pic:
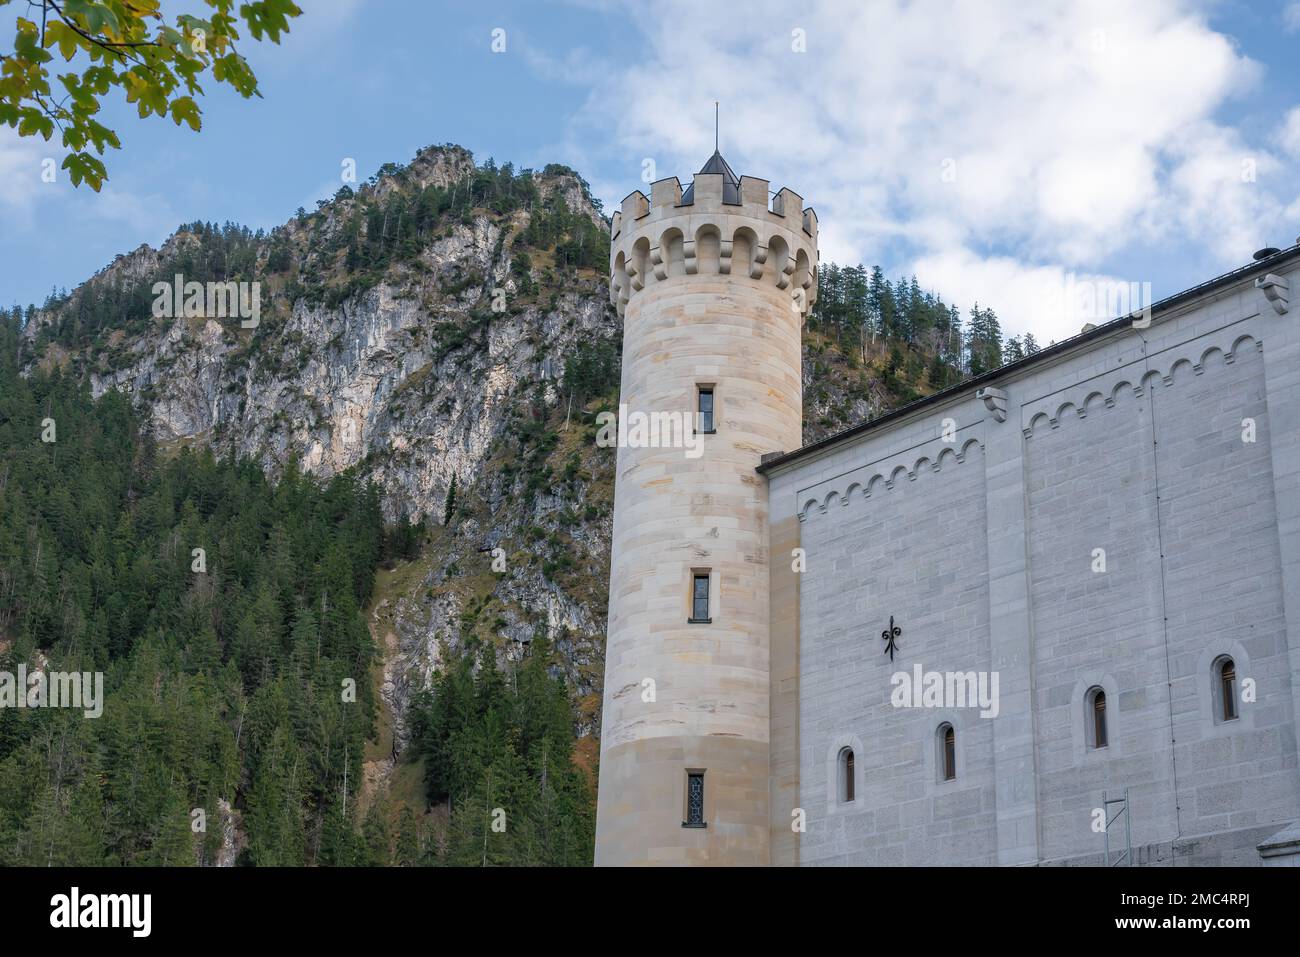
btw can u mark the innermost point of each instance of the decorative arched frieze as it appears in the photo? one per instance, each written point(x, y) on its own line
point(743, 242)
point(884, 475)
point(639, 263)
point(782, 265)
point(1106, 391)
point(669, 255)
point(803, 276)
point(659, 248)
point(708, 250)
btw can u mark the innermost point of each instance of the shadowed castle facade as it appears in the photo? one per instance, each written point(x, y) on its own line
point(953, 634)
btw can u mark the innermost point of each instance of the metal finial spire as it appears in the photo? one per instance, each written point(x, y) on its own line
point(715, 126)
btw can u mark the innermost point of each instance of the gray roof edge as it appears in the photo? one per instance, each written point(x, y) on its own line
point(1066, 345)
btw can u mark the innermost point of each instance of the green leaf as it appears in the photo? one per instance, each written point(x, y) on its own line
point(97, 18)
point(67, 39)
point(84, 167)
point(186, 110)
point(34, 121)
point(269, 18)
point(160, 63)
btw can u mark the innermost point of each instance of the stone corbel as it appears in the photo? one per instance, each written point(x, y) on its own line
point(995, 400)
point(724, 257)
point(799, 303)
point(756, 267)
point(657, 260)
point(688, 253)
point(1276, 290)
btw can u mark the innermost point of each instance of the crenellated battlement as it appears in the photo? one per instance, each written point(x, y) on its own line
point(720, 225)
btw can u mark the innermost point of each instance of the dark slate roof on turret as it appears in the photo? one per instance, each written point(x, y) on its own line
point(730, 181)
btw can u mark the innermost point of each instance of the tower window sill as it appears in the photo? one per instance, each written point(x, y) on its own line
point(684, 824)
point(699, 621)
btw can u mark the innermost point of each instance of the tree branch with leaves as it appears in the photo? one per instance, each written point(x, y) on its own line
point(128, 46)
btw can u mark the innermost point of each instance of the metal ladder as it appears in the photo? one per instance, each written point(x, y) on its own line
point(1126, 856)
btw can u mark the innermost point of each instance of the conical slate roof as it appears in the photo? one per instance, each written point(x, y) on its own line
point(730, 181)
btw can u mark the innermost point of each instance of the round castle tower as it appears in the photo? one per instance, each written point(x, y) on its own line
point(713, 285)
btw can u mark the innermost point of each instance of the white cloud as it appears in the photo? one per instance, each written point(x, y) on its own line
point(1077, 131)
point(1049, 301)
point(1289, 137)
point(28, 203)
point(578, 66)
point(134, 213)
point(1291, 18)
point(21, 165)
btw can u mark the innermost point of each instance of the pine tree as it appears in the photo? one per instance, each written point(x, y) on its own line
point(984, 341)
point(449, 508)
point(274, 815)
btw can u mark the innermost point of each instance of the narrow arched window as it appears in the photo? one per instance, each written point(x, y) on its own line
point(847, 784)
point(1226, 675)
point(1096, 718)
point(947, 753)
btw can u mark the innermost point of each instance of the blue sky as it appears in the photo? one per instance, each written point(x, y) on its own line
point(995, 154)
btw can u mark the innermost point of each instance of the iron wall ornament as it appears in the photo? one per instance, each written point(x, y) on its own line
point(889, 635)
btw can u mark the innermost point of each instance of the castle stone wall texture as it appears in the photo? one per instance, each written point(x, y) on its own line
point(916, 554)
point(1133, 449)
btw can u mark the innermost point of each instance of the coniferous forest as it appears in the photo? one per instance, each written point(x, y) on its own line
point(860, 308)
point(226, 612)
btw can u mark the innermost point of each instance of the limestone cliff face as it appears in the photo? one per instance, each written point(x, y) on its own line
point(362, 382)
point(366, 380)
